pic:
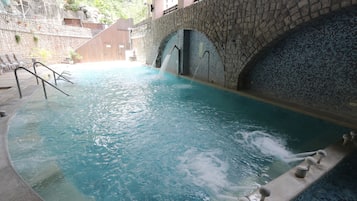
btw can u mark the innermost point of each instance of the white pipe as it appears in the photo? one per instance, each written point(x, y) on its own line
point(290, 160)
point(304, 154)
point(299, 156)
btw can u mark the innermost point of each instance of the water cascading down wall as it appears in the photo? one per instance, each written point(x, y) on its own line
point(313, 69)
point(196, 56)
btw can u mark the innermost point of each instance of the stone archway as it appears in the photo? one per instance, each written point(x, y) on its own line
point(314, 66)
point(197, 56)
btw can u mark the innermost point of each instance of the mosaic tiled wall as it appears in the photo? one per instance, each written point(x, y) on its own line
point(239, 29)
point(314, 66)
point(242, 29)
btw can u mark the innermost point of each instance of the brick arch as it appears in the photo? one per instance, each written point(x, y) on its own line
point(240, 29)
point(198, 56)
point(161, 47)
point(260, 53)
point(164, 37)
point(312, 66)
point(243, 84)
point(161, 32)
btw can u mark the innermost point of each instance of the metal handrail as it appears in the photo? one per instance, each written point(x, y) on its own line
point(53, 71)
point(171, 9)
point(208, 67)
point(37, 77)
point(179, 58)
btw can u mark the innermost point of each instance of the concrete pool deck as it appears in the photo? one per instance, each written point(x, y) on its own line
point(13, 188)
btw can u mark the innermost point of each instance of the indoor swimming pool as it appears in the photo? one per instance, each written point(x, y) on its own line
point(126, 133)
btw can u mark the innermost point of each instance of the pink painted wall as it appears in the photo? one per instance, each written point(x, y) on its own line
point(159, 6)
point(187, 2)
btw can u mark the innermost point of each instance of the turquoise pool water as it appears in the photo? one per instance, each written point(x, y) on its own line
point(127, 134)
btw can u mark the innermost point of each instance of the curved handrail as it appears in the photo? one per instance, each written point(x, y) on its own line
point(179, 56)
point(208, 67)
point(53, 71)
point(37, 77)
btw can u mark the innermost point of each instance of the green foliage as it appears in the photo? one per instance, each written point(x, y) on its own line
point(74, 55)
point(113, 10)
point(35, 39)
point(41, 53)
point(17, 38)
point(72, 5)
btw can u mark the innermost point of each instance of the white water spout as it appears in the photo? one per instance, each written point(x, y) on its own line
point(196, 70)
point(164, 65)
point(154, 61)
point(199, 65)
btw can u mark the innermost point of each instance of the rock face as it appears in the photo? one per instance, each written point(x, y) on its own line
point(91, 14)
point(85, 13)
point(47, 9)
point(33, 9)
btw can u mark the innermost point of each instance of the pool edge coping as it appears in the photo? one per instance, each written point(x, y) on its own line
point(287, 186)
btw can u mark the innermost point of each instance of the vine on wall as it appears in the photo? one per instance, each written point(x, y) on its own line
point(17, 38)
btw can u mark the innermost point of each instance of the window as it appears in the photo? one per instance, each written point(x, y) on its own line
point(170, 3)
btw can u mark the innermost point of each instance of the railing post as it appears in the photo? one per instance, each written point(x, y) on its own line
point(43, 82)
point(54, 72)
point(208, 66)
point(18, 83)
point(44, 89)
point(54, 77)
point(34, 69)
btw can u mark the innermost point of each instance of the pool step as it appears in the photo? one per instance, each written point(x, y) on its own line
point(51, 185)
point(41, 173)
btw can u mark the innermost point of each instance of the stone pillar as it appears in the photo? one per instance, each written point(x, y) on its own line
point(185, 53)
point(180, 4)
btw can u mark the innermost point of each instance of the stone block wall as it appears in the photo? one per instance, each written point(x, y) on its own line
point(315, 66)
point(238, 29)
point(142, 42)
point(242, 33)
point(53, 38)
